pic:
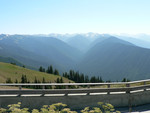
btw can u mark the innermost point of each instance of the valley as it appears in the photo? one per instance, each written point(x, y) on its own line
point(111, 57)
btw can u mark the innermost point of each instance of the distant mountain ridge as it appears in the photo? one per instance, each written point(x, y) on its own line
point(99, 55)
point(114, 60)
point(36, 51)
point(139, 42)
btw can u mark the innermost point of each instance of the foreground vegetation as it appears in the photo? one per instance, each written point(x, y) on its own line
point(59, 108)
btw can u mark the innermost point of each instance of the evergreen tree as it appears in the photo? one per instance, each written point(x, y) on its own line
point(82, 78)
point(124, 80)
point(41, 69)
point(35, 80)
point(8, 80)
point(48, 70)
point(51, 70)
point(61, 80)
point(86, 79)
point(16, 81)
point(22, 79)
point(56, 72)
point(57, 81)
point(65, 75)
point(43, 81)
point(25, 79)
point(93, 79)
point(71, 75)
point(101, 80)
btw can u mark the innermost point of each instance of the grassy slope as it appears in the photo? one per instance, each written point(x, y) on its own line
point(15, 72)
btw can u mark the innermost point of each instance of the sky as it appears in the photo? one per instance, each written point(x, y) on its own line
point(74, 16)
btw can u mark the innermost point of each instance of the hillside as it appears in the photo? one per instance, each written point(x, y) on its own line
point(39, 50)
point(15, 72)
point(98, 55)
point(114, 59)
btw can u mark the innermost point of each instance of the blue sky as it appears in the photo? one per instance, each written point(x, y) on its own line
point(74, 16)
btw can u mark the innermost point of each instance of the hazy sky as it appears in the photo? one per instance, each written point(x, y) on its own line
point(74, 16)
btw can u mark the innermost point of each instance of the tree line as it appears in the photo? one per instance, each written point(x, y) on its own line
point(81, 78)
point(71, 75)
point(24, 79)
point(76, 76)
point(49, 70)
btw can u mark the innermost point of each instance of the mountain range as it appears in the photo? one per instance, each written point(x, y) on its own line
point(111, 57)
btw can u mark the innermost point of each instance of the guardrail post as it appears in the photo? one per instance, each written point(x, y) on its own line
point(20, 87)
point(88, 86)
point(88, 94)
point(128, 85)
point(144, 84)
point(67, 87)
point(19, 95)
point(108, 86)
point(43, 87)
point(66, 94)
point(42, 94)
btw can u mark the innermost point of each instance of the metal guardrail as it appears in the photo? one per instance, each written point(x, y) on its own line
point(71, 84)
point(87, 91)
